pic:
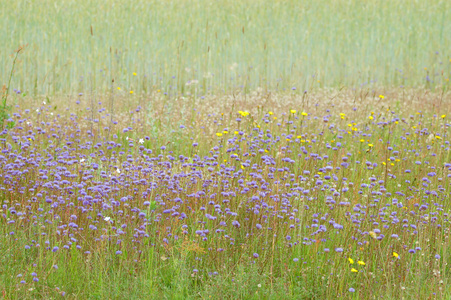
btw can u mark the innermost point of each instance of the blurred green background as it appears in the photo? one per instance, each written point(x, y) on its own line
point(80, 46)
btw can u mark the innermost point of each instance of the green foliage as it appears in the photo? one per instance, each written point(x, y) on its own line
point(6, 108)
point(225, 44)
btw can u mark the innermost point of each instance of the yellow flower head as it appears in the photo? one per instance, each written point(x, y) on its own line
point(381, 96)
point(219, 134)
point(351, 261)
point(354, 270)
point(270, 113)
point(304, 114)
point(236, 132)
point(395, 255)
point(225, 132)
point(370, 117)
point(370, 145)
point(134, 74)
point(131, 92)
point(292, 111)
point(373, 234)
point(361, 263)
point(119, 88)
point(243, 113)
point(443, 116)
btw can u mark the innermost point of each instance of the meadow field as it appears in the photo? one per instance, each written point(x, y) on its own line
point(225, 150)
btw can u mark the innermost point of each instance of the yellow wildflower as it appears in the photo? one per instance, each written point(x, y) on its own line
point(373, 234)
point(443, 116)
point(370, 145)
point(134, 74)
point(270, 113)
point(219, 134)
point(354, 270)
point(225, 132)
point(304, 113)
point(236, 132)
point(395, 255)
point(119, 88)
point(292, 111)
point(371, 117)
point(361, 263)
point(381, 96)
point(351, 261)
point(131, 92)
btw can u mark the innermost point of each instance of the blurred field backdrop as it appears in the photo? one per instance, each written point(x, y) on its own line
point(76, 46)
